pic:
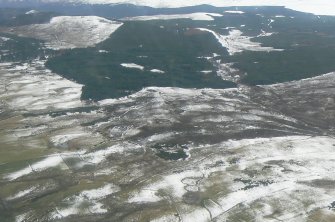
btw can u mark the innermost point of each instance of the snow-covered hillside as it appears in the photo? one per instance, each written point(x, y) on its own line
point(70, 31)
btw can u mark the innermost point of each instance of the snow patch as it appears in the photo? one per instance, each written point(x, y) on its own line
point(21, 193)
point(236, 43)
point(4, 39)
point(132, 66)
point(86, 202)
point(50, 161)
point(172, 183)
point(227, 72)
point(234, 12)
point(206, 71)
point(57, 160)
point(31, 12)
point(199, 16)
point(21, 217)
point(99, 156)
point(61, 140)
point(265, 34)
point(157, 71)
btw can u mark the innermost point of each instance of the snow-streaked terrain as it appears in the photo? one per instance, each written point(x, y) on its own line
point(78, 203)
point(25, 86)
point(292, 164)
point(65, 32)
point(259, 153)
point(22, 193)
point(249, 153)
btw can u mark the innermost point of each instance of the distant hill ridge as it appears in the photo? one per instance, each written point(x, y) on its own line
point(320, 7)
